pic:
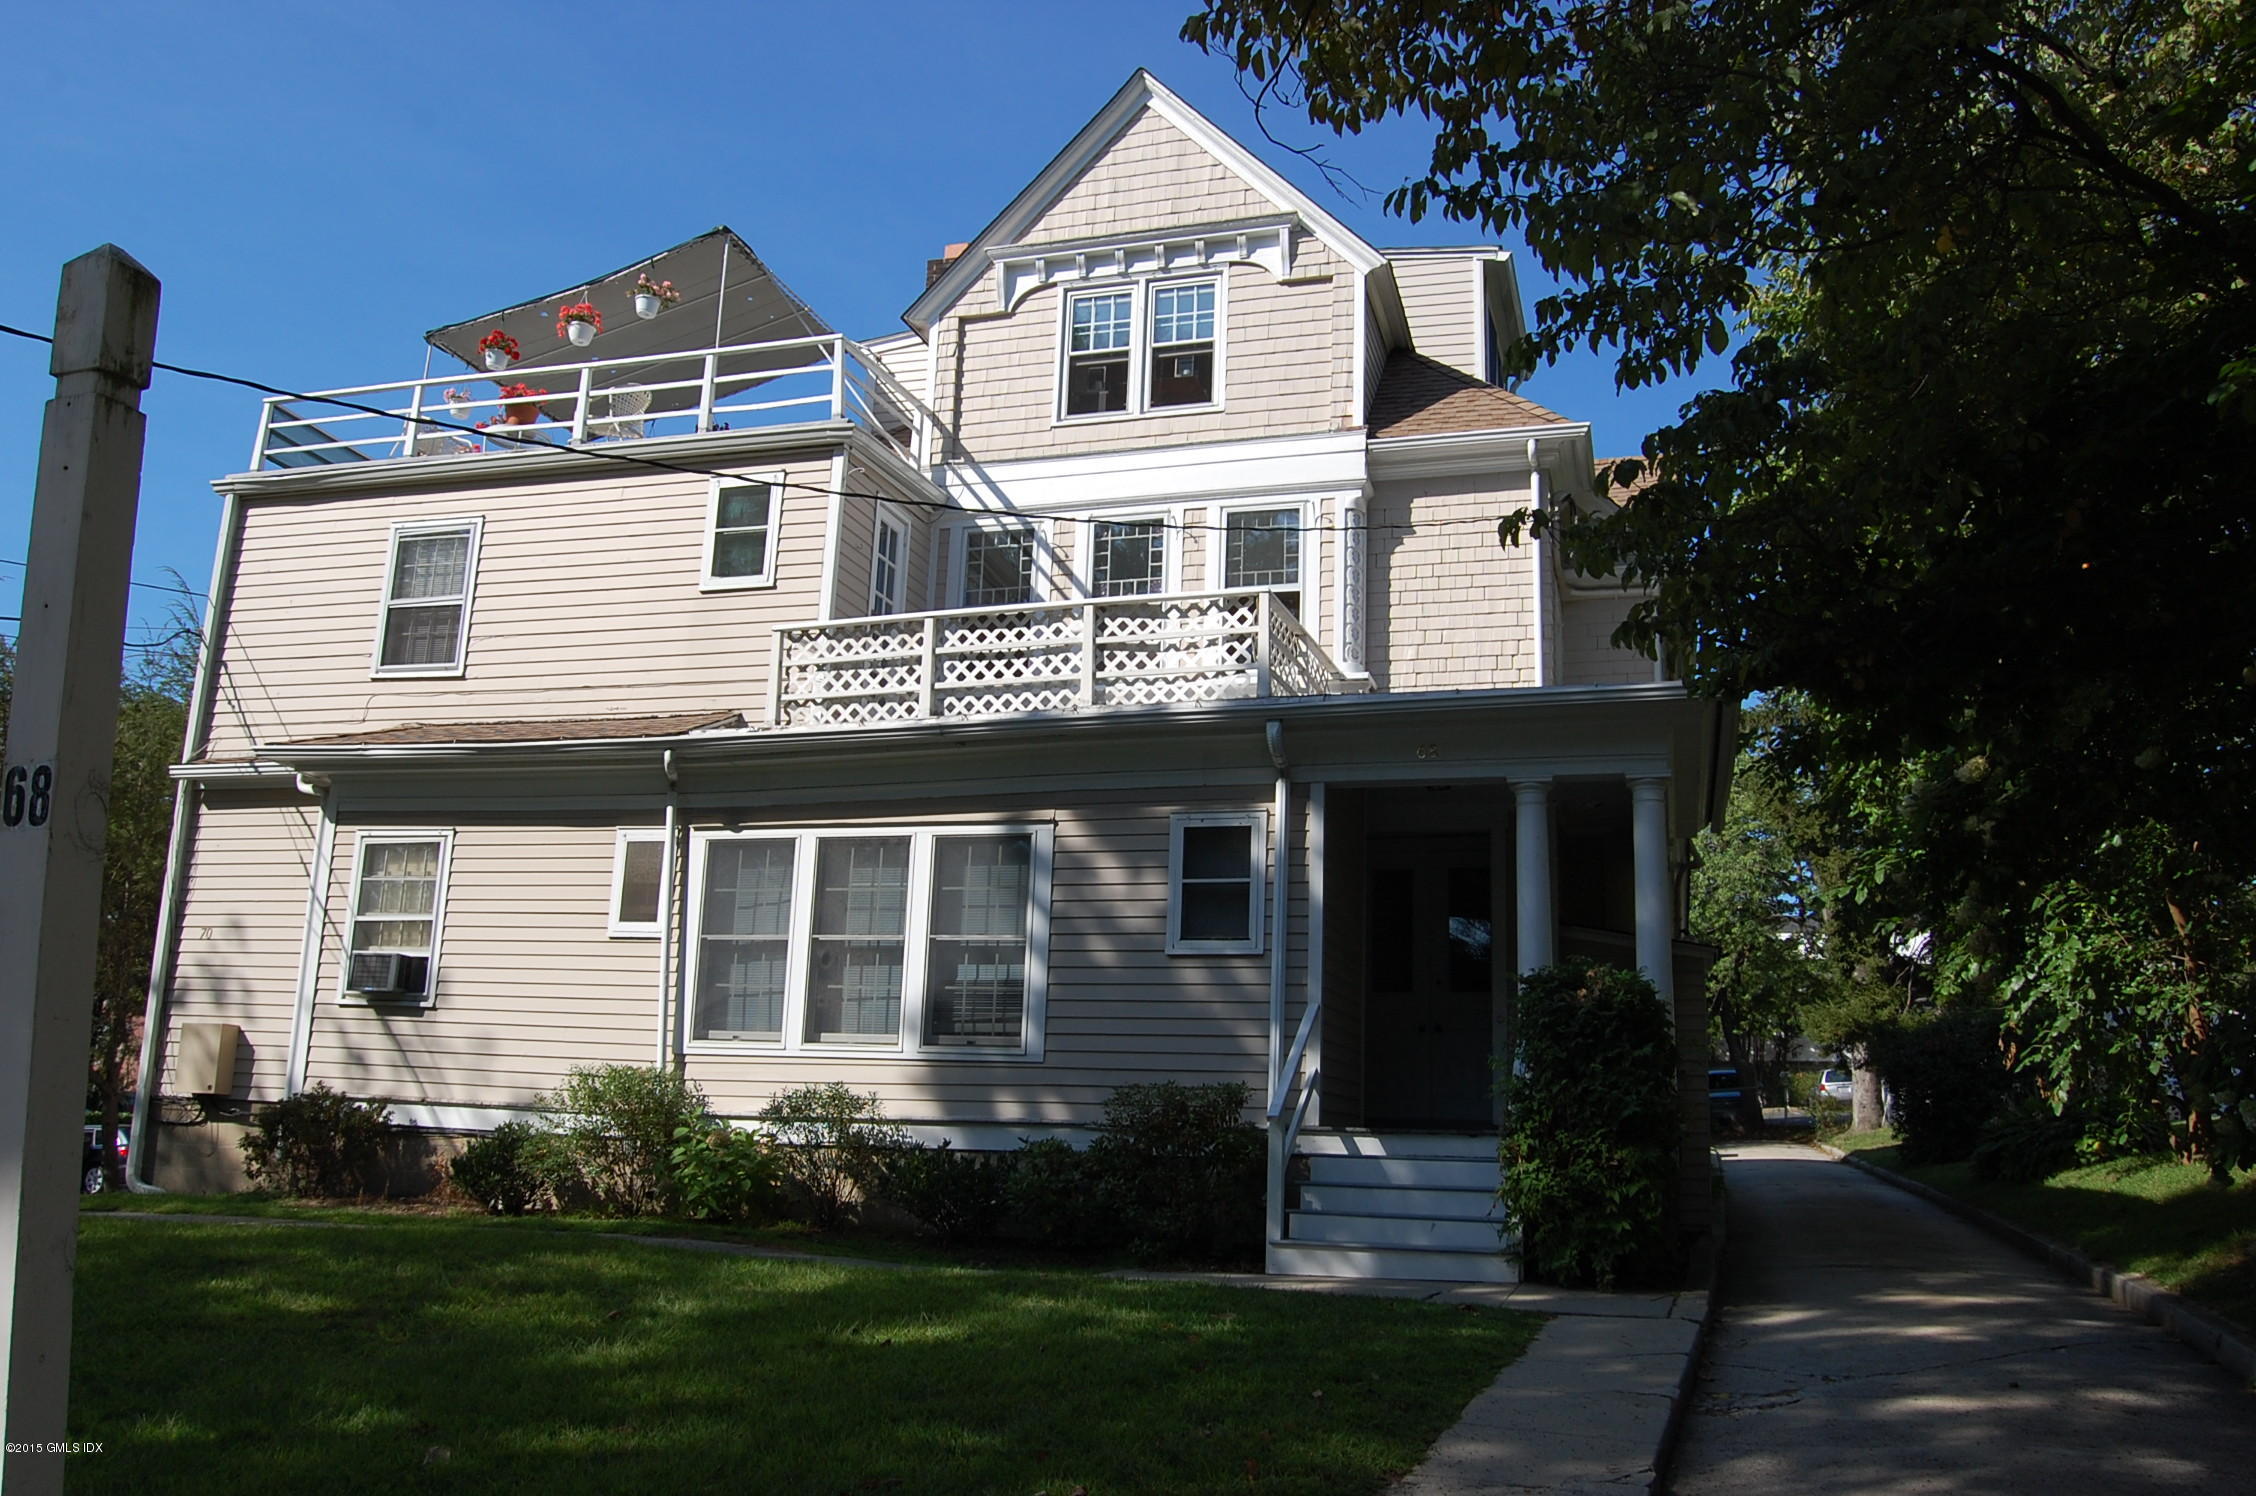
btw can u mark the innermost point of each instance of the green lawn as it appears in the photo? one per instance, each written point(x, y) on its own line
point(2146, 1215)
point(443, 1355)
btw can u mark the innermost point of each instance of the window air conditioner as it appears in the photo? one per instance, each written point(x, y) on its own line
point(374, 973)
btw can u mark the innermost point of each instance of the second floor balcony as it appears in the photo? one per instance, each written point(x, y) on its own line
point(1086, 655)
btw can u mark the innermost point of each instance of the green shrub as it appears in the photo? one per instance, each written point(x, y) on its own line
point(1049, 1198)
point(836, 1147)
point(318, 1143)
point(724, 1173)
point(501, 1170)
point(618, 1124)
point(1948, 1078)
point(958, 1197)
point(2027, 1143)
point(1178, 1173)
point(1590, 1134)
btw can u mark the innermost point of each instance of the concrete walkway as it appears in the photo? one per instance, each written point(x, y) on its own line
point(1872, 1343)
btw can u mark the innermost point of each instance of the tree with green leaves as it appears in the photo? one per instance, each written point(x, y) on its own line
point(1977, 484)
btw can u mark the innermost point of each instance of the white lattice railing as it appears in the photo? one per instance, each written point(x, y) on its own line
point(1046, 657)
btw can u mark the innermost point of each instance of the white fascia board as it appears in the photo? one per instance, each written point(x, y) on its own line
point(1501, 450)
point(205, 773)
point(1141, 90)
point(1322, 461)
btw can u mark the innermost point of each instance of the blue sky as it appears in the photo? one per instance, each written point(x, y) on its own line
point(317, 186)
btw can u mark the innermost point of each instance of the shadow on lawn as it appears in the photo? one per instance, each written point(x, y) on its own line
point(437, 1357)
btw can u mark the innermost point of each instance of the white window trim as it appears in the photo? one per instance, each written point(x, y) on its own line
point(1045, 583)
point(886, 523)
point(916, 932)
point(401, 529)
point(706, 581)
point(1139, 347)
point(1256, 825)
point(625, 929)
point(1218, 550)
point(362, 841)
point(1170, 549)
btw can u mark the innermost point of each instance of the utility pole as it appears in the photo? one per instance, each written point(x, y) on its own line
point(54, 820)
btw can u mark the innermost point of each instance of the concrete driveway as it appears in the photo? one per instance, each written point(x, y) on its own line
point(1871, 1343)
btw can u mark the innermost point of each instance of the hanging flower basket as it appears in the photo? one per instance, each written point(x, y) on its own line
point(457, 404)
point(579, 321)
point(520, 404)
point(500, 350)
point(652, 297)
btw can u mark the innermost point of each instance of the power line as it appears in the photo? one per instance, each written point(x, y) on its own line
point(151, 586)
point(608, 455)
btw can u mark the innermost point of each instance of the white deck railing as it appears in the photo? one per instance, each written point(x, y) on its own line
point(744, 385)
point(1046, 657)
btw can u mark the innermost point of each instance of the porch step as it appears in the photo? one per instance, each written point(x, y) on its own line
point(1394, 1231)
point(1419, 1264)
point(1411, 1172)
point(1385, 1200)
point(1318, 1142)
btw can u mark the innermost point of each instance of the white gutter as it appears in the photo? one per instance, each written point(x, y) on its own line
point(309, 948)
point(666, 912)
point(1536, 496)
point(176, 849)
point(1281, 886)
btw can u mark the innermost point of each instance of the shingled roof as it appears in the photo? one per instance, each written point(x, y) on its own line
point(1420, 397)
point(1619, 494)
point(548, 730)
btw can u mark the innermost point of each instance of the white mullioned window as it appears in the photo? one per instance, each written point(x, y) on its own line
point(888, 547)
point(1143, 347)
point(425, 627)
point(1127, 557)
point(998, 568)
point(1262, 546)
point(740, 533)
point(904, 940)
point(398, 899)
point(638, 870)
point(1217, 873)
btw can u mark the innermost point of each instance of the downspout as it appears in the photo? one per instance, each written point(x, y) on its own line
point(666, 913)
point(1281, 888)
point(1535, 554)
point(176, 848)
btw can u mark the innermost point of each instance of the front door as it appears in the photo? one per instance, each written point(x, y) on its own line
point(1431, 951)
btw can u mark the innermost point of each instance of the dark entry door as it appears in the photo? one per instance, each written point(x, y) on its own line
point(1431, 952)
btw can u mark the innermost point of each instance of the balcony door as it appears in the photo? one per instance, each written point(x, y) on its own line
point(1431, 953)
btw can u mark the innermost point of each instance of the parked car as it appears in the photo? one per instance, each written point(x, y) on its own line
point(1724, 1090)
point(1836, 1085)
point(92, 1179)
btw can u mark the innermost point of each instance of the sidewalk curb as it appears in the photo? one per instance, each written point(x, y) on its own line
point(2227, 1345)
point(1705, 1277)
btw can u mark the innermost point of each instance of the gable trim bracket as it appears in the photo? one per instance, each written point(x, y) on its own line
point(1267, 242)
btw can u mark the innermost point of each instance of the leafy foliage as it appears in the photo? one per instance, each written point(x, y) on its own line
point(501, 1170)
point(1590, 1124)
point(836, 1146)
point(2026, 1142)
point(619, 1124)
point(724, 1173)
point(1961, 250)
point(318, 1144)
point(1179, 1172)
point(1949, 1078)
point(961, 1198)
point(1049, 1200)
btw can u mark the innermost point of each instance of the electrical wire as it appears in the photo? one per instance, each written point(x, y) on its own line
point(151, 586)
point(660, 464)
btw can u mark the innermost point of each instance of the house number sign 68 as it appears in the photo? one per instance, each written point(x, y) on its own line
point(27, 795)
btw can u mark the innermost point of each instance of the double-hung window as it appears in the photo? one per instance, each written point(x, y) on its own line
point(887, 548)
point(998, 567)
point(1262, 548)
point(740, 538)
point(426, 621)
point(1217, 869)
point(1150, 346)
point(1127, 558)
point(392, 939)
point(910, 941)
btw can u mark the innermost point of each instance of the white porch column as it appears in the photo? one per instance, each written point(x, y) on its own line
point(1656, 903)
point(1531, 832)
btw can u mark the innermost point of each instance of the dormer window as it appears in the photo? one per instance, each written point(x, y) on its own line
point(1146, 347)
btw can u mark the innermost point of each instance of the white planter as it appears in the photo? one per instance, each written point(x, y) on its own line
point(457, 412)
point(647, 307)
point(581, 333)
point(496, 360)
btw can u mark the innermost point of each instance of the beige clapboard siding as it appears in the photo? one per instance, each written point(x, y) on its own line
point(530, 985)
point(1587, 653)
point(242, 928)
point(905, 357)
point(586, 603)
point(1449, 611)
point(1151, 176)
point(1441, 295)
